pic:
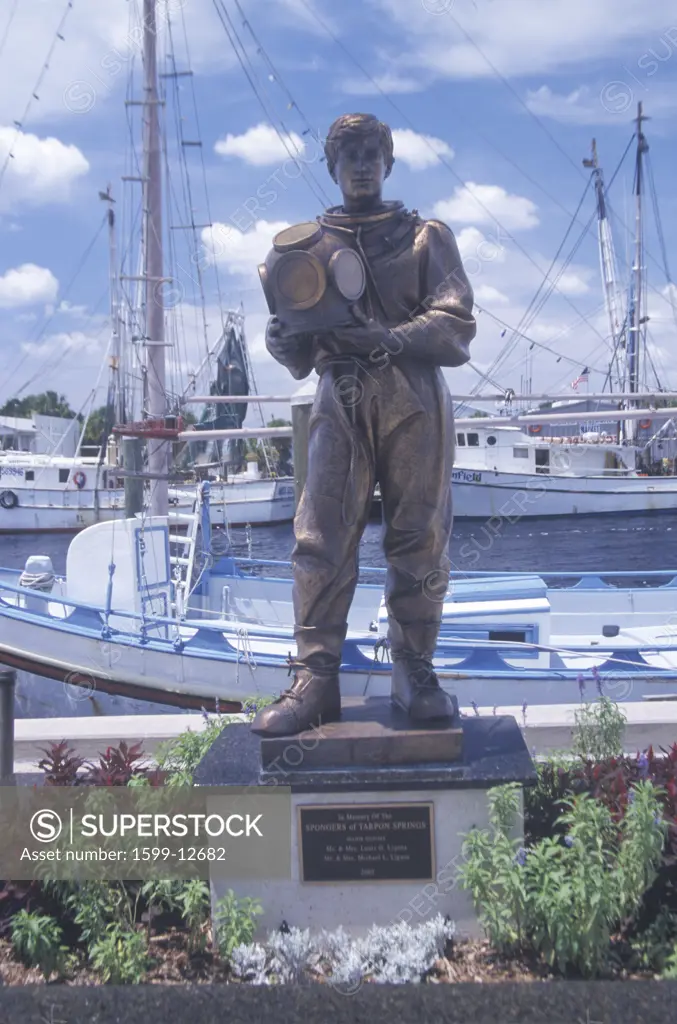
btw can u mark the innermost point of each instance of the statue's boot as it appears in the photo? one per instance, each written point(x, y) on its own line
point(312, 700)
point(416, 689)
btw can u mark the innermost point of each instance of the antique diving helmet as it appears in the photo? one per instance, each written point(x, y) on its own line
point(312, 276)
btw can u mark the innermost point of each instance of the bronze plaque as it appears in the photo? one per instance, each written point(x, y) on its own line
point(367, 843)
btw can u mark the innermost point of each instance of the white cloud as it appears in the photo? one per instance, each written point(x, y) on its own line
point(486, 204)
point(476, 249)
point(417, 151)
point(69, 309)
point(612, 103)
point(69, 341)
point(240, 252)
point(487, 293)
point(390, 83)
point(572, 284)
point(42, 170)
point(523, 37)
point(260, 146)
point(27, 285)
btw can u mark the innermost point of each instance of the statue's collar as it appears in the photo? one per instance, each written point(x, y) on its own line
point(335, 215)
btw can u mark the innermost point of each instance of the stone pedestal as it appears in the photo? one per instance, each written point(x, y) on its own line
point(375, 836)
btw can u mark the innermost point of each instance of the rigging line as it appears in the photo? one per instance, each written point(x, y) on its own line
point(515, 93)
point(278, 78)
point(51, 367)
point(224, 18)
point(8, 25)
point(58, 36)
point(323, 197)
point(532, 341)
point(210, 219)
point(525, 321)
point(188, 188)
point(533, 308)
point(439, 156)
point(64, 296)
point(625, 227)
point(661, 236)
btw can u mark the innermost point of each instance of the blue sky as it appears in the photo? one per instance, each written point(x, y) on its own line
point(509, 93)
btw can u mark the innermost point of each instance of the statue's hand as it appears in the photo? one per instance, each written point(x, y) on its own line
point(280, 342)
point(368, 336)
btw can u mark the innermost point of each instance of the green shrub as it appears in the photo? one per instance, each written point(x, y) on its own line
point(120, 956)
point(37, 941)
point(234, 922)
point(563, 899)
point(599, 730)
point(194, 903)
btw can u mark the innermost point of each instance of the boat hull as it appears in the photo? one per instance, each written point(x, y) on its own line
point(483, 494)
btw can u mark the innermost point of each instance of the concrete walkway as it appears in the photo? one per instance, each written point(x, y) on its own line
point(546, 728)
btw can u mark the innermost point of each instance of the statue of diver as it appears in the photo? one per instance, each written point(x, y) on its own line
point(382, 413)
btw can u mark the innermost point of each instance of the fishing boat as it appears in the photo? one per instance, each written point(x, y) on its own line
point(596, 458)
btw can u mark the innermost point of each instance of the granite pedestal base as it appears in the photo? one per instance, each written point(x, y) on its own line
point(371, 844)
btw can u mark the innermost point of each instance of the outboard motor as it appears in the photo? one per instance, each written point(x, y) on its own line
point(38, 575)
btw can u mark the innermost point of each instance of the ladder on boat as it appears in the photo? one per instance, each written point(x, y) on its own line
point(189, 552)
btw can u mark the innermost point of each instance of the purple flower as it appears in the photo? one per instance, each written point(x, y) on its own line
point(643, 764)
point(568, 840)
point(521, 857)
point(657, 819)
point(631, 796)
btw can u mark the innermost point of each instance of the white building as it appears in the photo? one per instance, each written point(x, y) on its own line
point(41, 435)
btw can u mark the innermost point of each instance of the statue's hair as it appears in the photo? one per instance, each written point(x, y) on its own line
point(351, 125)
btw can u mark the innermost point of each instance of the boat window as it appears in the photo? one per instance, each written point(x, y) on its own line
point(460, 440)
point(63, 476)
point(491, 440)
point(474, 440)
point(520, 453)
point(542, 460)
point(29, 474)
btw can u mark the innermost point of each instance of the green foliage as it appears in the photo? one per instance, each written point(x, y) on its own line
point(564, 899)
point(194, 903)
point(37, 941)
point(120, 956)
point(491, 871)
point(599, 730)
point(652, 949)
point(234, 922)
point(49, 403)
point(98, 426)
point(181, 756)
point(670, 972)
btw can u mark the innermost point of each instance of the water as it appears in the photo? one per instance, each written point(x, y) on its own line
point(603, 544)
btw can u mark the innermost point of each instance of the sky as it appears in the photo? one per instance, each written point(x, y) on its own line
point(493, 106)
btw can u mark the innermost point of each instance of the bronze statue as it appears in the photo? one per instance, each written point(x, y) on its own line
point(382, 413)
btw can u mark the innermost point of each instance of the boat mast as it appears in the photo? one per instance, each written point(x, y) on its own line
point(607, 258)
point(154, 334)
point(636, 321)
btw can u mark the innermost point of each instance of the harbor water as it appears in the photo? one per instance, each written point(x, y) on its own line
point(595, 543)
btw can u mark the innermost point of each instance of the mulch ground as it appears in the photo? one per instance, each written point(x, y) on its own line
point(472, 961)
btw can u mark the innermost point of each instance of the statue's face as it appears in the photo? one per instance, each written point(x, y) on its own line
point(360, 170)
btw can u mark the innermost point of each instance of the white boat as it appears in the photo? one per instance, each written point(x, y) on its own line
point(627, 464)
point(199, 628)
point(505, 473)
point(45, 494)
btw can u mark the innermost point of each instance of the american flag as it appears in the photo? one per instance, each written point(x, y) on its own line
point(584, 377)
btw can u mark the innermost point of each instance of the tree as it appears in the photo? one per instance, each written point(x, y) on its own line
point(49, 403)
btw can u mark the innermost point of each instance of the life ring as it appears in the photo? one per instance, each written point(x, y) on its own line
point(535, 428)
point(79, 479)
point(8, 499)
point(645, 424)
